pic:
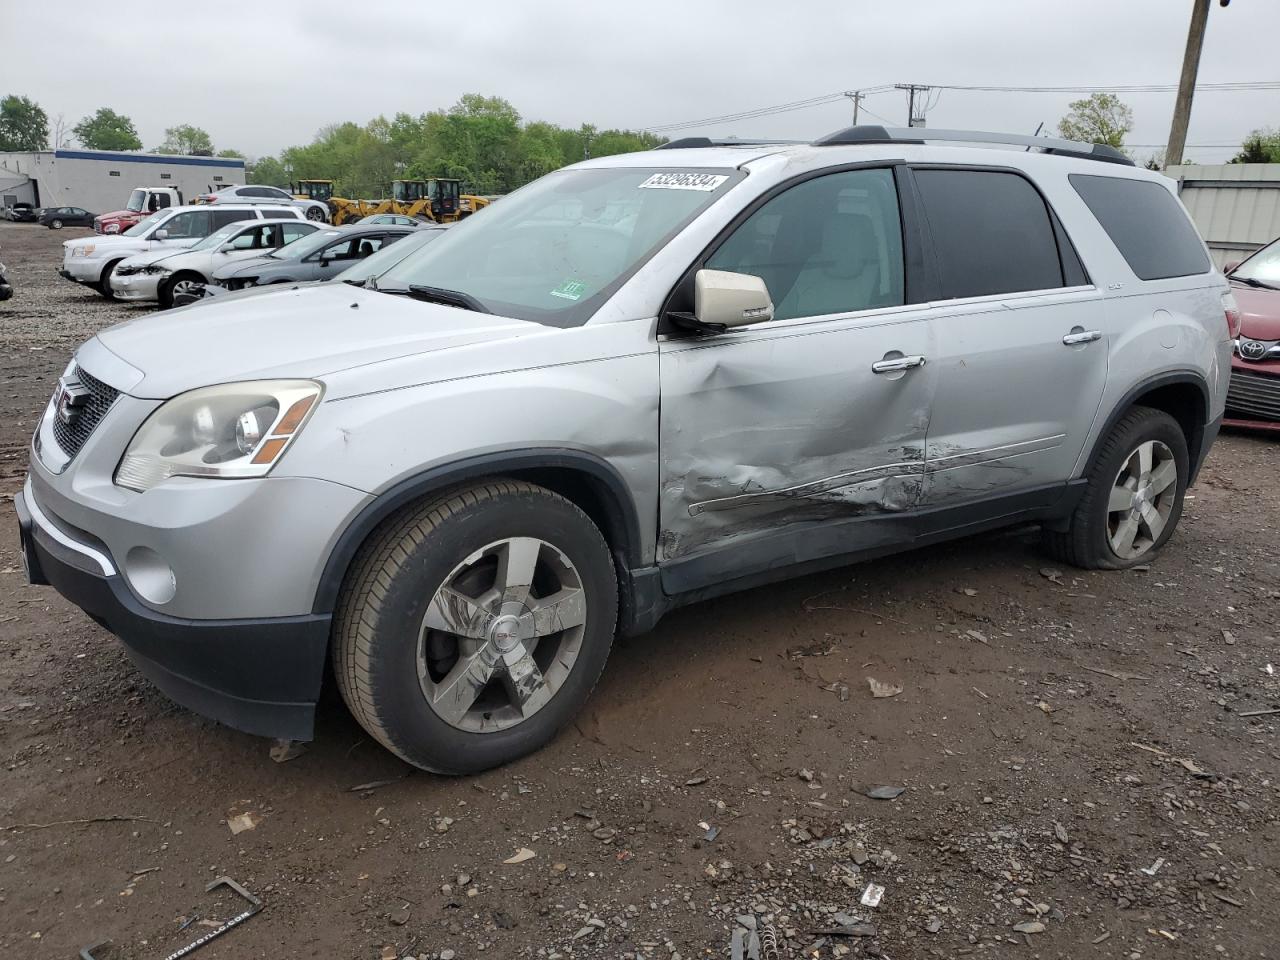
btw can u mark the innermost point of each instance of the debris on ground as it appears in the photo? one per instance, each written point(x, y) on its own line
point(282, 751)
point(520, 856)
point(879, 689)
point(872, 895)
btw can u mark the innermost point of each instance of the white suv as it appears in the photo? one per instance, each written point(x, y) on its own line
point(92, 260)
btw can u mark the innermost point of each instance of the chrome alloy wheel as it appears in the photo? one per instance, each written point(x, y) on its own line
point(1142, 498)
point(186, 288)
point(501, 635)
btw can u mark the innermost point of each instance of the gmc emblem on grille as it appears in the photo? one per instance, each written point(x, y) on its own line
point(69, 400)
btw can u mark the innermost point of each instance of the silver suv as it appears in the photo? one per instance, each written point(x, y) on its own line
point(640, 381)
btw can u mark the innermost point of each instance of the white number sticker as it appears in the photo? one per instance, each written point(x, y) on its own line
point(705, 182)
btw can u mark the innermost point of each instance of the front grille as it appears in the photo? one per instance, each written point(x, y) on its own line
point(1254, 395)
point(72, 436)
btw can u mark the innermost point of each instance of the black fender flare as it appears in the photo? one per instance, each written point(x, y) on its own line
point(1195, 447)
point(622, 510)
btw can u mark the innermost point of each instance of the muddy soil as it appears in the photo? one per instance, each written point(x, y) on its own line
point(1080, 774)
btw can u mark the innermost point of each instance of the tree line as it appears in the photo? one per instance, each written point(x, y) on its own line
point(482, 141)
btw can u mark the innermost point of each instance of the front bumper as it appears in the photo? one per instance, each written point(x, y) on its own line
point(136, 286)
point(262, 676)
point(81, 270)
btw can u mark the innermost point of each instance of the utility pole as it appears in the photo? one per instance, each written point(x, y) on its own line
point(914, 119)
point(1187, 83)
point(856, 96)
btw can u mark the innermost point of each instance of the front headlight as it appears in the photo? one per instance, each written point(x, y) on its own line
point(154, 270)
point(82, 251)
point(228, 431)
point(111, 228)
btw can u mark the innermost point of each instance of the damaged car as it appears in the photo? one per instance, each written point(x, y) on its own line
point(1253, 398)
point(638, 382)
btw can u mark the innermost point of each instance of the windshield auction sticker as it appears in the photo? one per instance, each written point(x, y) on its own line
point(570, 290)
point(706, 182)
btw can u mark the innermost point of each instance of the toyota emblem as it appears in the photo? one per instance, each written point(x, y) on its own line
point(1252, 349)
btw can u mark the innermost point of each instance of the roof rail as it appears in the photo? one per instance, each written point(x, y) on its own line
point(688, 142)
point(1051, 145)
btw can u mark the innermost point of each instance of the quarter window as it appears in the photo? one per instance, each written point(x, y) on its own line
point(1146, 224)
point(292, 231)
point(828, 245)
point(992, 233)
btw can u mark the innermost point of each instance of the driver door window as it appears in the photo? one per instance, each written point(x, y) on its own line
point(830, 245)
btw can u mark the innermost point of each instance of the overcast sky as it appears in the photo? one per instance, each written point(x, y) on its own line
point(266, 75)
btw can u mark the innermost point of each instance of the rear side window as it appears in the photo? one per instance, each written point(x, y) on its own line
point(222, 217)
point(276, 213)
point(1147, 225)
point(992, 233)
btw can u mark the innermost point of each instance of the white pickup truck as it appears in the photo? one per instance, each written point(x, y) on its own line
point(92, 260)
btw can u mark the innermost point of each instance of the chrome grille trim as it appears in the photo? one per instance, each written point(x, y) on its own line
point(71, 437)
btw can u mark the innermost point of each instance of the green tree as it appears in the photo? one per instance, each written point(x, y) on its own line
point(186, 140)
point(231, 154)
point(1099, 118)
point(267, 171)
point(1261, 146)
point(107, 130)
point(23, 125)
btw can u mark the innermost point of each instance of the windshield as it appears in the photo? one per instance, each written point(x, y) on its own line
point(554, 251)
point(376, 264)
point(142, 226)
point(137, 201)
point(307, 245)
point(1263, 266)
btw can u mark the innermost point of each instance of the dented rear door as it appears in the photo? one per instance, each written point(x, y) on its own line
point(810, 420)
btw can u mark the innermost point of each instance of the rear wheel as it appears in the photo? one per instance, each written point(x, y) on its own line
point(472, 627)
point(315, 213)
point(55, 224)
point(1134, 496)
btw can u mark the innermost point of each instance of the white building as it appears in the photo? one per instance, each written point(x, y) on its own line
point(101, 180)
point(1236, 206)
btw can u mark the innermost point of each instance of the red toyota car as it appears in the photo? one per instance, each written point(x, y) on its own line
point(1253, 398)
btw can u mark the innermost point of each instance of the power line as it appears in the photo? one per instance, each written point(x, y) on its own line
point(1118, 88)
point(817, 101)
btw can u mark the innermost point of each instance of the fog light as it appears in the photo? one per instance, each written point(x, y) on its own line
point(149, 575)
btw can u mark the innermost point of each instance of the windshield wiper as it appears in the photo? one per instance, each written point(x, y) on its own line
point(1249, 281)
point(451, 298)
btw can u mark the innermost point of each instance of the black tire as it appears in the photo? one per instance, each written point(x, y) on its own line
point(104, 281)
point(165, 293)
point(55, 224)
point(316, 215)
point(1086, 542)
point(390, 586)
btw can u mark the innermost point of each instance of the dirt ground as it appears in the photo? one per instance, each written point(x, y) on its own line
point(1081, 775)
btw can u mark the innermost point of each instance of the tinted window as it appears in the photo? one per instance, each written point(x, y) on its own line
point(991, 233)
point(356, 248)
point(276, 213)
point(222, 217)
point(1147, 225)
point(192, 223)
point(253, 192)
point(829, 245)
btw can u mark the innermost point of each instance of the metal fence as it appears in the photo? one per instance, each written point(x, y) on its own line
point(1236, 206)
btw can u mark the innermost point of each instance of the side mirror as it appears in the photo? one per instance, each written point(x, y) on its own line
point(724, 299)
point(1230, 266)
point(160, 234)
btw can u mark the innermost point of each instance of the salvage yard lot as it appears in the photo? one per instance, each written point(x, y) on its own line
point(1081, 776)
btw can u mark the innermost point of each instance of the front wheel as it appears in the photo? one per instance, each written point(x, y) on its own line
point(104, 280)
point(1134, 495)
point(316, 214)
point(471, 628)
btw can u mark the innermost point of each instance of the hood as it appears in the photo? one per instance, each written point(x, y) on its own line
point(117, 215)
point(1259, 312)
point(247, 268)
point(152, 256)
point(105, 240)
point(292, 333)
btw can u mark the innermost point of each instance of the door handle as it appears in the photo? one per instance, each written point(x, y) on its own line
point(1081, 336)
point(898, 363)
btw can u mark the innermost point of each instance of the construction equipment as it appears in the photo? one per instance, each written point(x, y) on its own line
point(318, 190)
point(438, 199)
